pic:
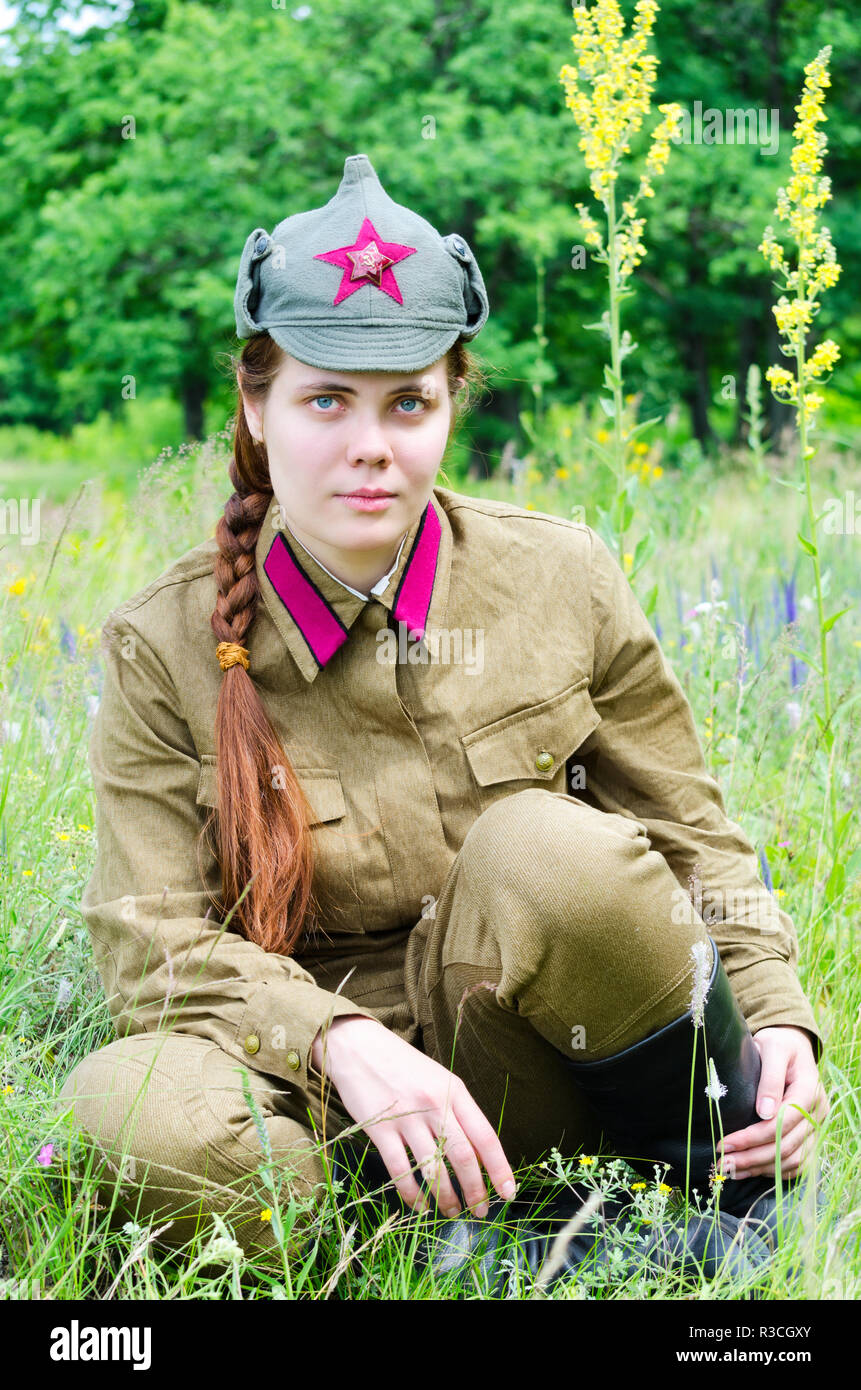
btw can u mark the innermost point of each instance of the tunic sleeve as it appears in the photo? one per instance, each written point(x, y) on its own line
point(164, 957)
point(648, 763)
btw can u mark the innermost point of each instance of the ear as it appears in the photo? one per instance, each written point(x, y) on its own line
point(253, 418)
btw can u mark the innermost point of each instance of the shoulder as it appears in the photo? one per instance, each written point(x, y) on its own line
point(490, 520)
point(171, 607)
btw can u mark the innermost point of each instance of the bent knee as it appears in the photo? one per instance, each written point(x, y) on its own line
point(537, 837)
point(181, 1103)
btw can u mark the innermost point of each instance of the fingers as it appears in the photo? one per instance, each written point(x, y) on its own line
point(772, 1080)
point(765, 1132)
point(791, 1165)
point(806, 1094)
point(393, 1153)
point(432, 1153)
point(739, 1165)
point(485, 1142)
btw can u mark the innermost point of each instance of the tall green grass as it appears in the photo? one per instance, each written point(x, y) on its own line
point(723, 537)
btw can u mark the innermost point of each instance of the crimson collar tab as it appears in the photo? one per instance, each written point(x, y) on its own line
point(315, 617)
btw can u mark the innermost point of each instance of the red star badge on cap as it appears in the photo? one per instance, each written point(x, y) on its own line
point(367, 262)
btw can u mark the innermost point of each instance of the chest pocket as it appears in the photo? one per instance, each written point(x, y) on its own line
point(532, 745)
point(334, 877)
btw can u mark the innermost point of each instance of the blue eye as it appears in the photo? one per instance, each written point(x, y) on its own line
point(324, 398)
point(415, 400)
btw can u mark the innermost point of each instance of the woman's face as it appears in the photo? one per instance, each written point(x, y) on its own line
point(330, 434)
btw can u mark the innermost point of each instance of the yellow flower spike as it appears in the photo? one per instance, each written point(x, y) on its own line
point(797, 205)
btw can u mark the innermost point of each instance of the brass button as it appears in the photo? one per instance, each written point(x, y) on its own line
point(544, 761)
point(294, 1061)
point(252, 1043)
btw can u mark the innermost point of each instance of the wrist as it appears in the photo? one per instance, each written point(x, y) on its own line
point(334, 1037)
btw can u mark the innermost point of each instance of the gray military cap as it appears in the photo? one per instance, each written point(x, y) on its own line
point(361, 284)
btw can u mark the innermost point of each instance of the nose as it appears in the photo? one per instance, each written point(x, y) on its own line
point(369, 443)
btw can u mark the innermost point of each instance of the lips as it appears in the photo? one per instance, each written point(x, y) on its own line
point(367, 492)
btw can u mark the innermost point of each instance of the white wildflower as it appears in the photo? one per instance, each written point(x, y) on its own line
point(701, 952)
point(221, 1248)
point(793, 709)
point(715, 1089)
point(133, 1230)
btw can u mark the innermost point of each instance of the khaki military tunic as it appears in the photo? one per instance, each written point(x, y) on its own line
point(506, 651)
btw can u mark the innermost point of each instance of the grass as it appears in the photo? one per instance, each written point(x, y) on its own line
point(752, 701)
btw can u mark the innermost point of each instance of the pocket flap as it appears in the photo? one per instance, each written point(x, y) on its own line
point(322, 787)
point(518, 745)
point(325, 794)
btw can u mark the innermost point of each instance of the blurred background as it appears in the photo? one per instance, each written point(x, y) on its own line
point(141, 141)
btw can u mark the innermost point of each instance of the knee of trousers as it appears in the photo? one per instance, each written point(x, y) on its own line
point(174, 1139)
point(562, 864)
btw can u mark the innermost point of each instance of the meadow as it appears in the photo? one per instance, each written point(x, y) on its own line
point(734, 600)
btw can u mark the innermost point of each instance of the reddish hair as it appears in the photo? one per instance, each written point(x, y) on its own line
point(264, 843)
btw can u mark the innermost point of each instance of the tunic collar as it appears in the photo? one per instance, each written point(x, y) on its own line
point(314, 611)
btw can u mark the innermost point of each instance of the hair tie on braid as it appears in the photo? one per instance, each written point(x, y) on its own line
point(229, 653)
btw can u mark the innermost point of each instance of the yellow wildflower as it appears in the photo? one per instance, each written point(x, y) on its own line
point(562, 473)
point(657, 471)
point(8, 1090)
point(638, 1187)
point(628, 560)
point(662, 1187)
point(266, 1214)
point(602, 436)
point(586, 1161)
point(18, 587)
point(28, 873)
point(817, 269)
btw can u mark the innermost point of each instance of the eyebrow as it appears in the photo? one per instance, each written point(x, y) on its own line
point(350, 391)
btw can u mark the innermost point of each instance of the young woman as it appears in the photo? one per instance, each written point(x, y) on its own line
point(470, 889)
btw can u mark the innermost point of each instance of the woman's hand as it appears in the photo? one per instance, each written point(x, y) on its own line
point(789, 1079)
point(404, 1100)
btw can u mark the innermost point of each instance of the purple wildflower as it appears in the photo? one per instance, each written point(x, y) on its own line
point(766, 871)
point(45, 1155)
point(68, 645)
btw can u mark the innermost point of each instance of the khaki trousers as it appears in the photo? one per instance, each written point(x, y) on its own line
point(558, 933)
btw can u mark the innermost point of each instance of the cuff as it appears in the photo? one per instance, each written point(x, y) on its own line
point(280, 1023)
point(770, 996)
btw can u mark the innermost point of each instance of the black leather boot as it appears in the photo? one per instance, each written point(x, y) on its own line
point(642, 1096)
